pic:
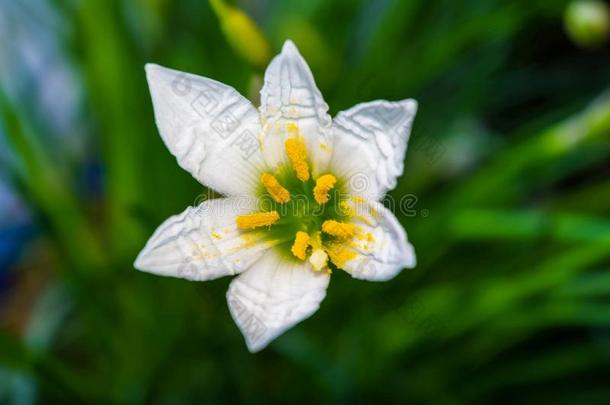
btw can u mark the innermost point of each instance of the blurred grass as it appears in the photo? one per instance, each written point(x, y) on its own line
point(509, 159)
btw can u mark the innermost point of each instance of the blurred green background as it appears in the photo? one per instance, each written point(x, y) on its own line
point(507, 178)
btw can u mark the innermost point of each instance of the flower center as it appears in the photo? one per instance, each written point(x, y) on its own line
point(305, 218)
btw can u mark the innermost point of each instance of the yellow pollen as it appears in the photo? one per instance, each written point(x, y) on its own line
point(279, 193)
point(338, 229)
point(365, 236)
point(323, 185)
point(216, 235)
point(293, 129)
point(258, 219)
point(297, 153)
point(340, 254)
point(249, 240)
point(347, 209)
point(299, 247)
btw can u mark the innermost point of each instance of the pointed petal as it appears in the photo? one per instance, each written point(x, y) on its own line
point(211, 129)
point(383, 249)
point(370, 142)
point(273, 296)
point(290, 96)
point(202, 243)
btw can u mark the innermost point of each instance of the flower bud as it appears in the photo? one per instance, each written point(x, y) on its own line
point(242, 33)
point(587, 22)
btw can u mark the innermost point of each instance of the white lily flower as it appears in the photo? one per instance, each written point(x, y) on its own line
point(302, 192)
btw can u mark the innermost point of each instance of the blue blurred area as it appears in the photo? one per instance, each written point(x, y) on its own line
point(12, 240)
point(16, 229)
point(37, 76)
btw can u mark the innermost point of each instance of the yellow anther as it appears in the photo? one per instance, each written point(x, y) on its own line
point(297, 153)
point(340, 254)
point(279, 193)
point(257, 220)
point(338, 229)
point(299, 247)
point(323, 185)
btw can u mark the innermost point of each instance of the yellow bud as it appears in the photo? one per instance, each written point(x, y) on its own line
point(242, 34)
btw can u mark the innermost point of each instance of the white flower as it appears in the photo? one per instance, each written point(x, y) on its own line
point(302, 192)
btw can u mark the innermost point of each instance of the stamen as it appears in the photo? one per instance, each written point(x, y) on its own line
point(338, 229)
point(323, 185)
point(318, 259)
point(299, 247)
point(257, 220)
point(340, 254)
point(297, 153)
point(279, 193)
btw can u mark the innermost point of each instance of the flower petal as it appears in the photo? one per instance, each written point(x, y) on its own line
point(370, 142)
point(273, 296)
point(382, 249)
point(211, 129)
point(290, 96)
point(203, 242)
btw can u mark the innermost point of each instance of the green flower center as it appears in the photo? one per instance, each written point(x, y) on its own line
point(302, 217)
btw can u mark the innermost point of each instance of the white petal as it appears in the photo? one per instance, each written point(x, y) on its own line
point(211, 129)
point(290, 95)
point(383, 256)
point(370, 142)
point(273, 296)
point(203, 242)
